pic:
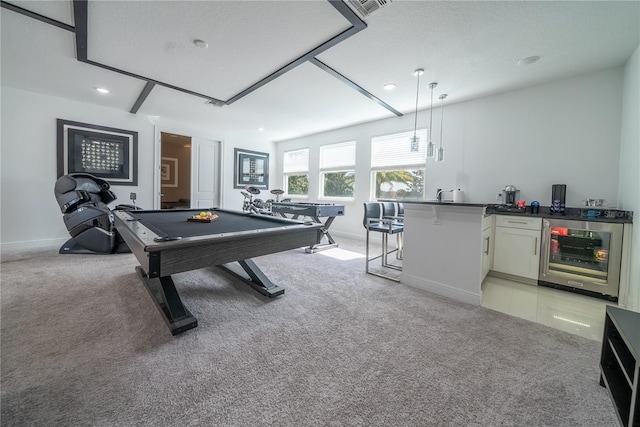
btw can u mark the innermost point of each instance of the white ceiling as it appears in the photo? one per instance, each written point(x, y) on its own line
point(470, 48)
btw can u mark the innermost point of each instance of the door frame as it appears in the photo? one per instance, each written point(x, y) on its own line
point(157, 154)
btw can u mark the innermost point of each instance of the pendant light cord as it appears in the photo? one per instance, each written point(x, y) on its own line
point(431, 114)
point(415, 120)
point(442, 97)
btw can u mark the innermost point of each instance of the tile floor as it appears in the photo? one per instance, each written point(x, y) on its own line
point(567, 311)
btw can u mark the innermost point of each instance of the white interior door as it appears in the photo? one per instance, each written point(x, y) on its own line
point(205, 173)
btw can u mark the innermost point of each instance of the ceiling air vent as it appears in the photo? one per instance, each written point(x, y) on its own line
point(367, 7)
point(214, 103)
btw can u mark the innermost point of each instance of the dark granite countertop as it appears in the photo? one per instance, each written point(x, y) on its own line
point(576, 214)
point(437, 203)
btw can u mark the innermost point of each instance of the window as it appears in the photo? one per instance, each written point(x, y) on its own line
point(296, 173)
point(398, 172)
point(337, 170)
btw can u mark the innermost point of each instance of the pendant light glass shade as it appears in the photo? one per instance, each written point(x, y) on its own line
point(415, 140)
point(440, 154)
point(430, 147)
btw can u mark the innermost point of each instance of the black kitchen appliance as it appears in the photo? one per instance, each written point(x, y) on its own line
point(558, 198)
point(581, 256)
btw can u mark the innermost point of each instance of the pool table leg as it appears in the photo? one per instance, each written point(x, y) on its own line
point(254, 277)
point(164, 294)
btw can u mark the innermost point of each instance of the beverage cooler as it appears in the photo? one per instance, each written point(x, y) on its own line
point(584, 256)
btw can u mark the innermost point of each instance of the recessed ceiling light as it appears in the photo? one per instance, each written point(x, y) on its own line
point(201, 43)
point(102, 90)
point(389, 86)
point(260, 129)
point(528, 60)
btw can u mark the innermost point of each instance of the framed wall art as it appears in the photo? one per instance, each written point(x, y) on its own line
point(251, 168)
point(108, 153)
point(169, 172)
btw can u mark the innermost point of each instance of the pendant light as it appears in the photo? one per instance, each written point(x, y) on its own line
point(430, 147)
point(440, 155)
point(415, 140)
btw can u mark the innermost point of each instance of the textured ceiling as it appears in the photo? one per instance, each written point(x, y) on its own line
point(470, 48)
point(242, 49)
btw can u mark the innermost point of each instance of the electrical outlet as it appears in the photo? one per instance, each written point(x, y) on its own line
point(499, 196)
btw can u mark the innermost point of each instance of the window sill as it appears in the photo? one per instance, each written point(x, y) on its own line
point(337, 199)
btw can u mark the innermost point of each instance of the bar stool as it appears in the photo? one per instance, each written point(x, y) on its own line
point(374, 220)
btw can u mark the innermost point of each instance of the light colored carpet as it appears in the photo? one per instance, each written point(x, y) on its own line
point(82, 344)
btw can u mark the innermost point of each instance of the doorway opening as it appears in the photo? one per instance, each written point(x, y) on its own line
point(175, 171)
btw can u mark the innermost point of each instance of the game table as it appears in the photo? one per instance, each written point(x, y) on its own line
point(164, 242)
point(314, 211)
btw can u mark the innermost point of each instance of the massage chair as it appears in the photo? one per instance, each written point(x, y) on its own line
point(83, 200)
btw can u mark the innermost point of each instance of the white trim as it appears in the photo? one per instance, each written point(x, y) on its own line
point(33, 244)
point(321, 194)
point(441, 289)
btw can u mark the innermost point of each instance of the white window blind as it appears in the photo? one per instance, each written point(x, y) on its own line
point(395, 150)
point(296, 161)
point(338, 156)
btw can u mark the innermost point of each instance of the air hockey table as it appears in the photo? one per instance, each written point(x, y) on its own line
point(314, 211)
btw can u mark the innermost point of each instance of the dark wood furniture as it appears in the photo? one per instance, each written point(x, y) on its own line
point(165, 243)
point(620, 363)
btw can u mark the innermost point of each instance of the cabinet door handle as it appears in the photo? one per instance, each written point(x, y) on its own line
point(517, 222)
point(535, 247)
point(487, 250)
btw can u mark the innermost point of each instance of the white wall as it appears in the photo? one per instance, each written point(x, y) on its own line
point(566, 131)
point(231, 198)
point(629, 191)
point(30, 215)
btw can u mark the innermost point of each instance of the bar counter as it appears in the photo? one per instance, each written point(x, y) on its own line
point(443, 248)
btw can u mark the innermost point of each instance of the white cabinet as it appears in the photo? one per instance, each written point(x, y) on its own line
point(517, 246)
point(487, 245)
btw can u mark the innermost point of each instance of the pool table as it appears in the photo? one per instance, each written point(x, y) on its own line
point(164, 242)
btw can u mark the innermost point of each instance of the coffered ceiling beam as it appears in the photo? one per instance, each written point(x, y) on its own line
point(357, 25)
point(37, 16)
point(143, 96)
point(353, 85)
point(81, 13)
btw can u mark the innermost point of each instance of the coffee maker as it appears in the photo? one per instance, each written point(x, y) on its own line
point(510, 195)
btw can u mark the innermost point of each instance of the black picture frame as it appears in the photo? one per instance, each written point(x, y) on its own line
point(105, 152)
point(251, 168)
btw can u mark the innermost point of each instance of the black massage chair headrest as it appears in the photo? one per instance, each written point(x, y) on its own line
point(76, 189)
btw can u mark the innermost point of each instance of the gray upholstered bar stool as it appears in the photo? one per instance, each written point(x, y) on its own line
point(373, 221)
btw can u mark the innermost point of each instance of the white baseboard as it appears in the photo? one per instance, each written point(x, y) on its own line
point(356, 236)
point(441, 289)
point(31, 244)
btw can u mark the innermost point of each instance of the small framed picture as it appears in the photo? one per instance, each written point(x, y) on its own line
point(251, 168)
point(169, 172)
